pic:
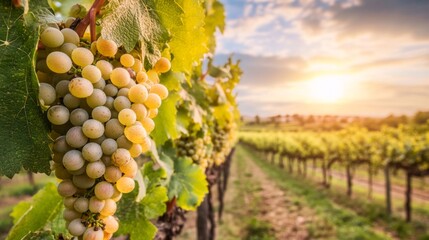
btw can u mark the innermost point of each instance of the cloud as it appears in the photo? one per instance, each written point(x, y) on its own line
point(270, 71)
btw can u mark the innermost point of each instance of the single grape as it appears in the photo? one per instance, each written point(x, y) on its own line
point(123, 142)
point(103, 190)
point(130, 169)
point(61, 172)
point(138, 65)
point(127, 60)
point(148, 124)
point(110, 90)
point(92, 234)
point(69, 21)
point(135, 150)
point(83, 181)
point(100, 84)
point(112, 174)
point(160, 90)
point(140, 110)
point(101, 114)
point(95, 169)
point(121, 102)
point(47, 94)
point(58, 115)
point(80, 87)
point(109, 103)
point(120, 77)
point(109, 208)
point(76, 227)
point(71, 101)
point(93, 128)
point(135, 133)
point(96, 205)
point(68, 48)
point(92, 152)
point(109, 146)
point(78, 117)
point(52, 37)
point(138, 93)
point(92, 73)
point(97, 98)
point(163, 65)
point(142, 77)
point(121, 157)
point(66, 188)
point(81, 205)
point(127, 117)
point(152, 113)
point(69, 202)
point(125, 184)
point(153, 101)
point(62, 88)
point(114, 129)
point(82, 56)
point(71, 214)
point(73, 160)
point(70, 36)
point(75, 137)
point(105, 67)
point(123, 92)
point(112, 224)
point(107, 48)
point(58, 62)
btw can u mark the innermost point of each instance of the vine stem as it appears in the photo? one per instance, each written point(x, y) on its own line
point(89, 20)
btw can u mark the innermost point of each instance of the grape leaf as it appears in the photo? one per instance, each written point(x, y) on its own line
point(188, 184)
point(165, 122)
point(19, 210)
point(135, 216)
point(191, 31)
point(171, 80)
point(42, 235)
point(215, 19)
point(24, 129)
point(45, 206)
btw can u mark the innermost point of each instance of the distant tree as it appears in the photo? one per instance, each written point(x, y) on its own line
point(421, 117)
point(257, 119)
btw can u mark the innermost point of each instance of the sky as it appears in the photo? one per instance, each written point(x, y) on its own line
point(345, 57)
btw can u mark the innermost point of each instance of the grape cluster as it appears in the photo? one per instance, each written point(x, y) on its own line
point(222, 142)
point(101, 105)
point(194, 148)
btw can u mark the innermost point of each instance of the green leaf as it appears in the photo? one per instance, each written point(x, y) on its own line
point(134, 216)
point(192, 31)
point(172, 80)
point(215, 19)
point(165, 122)
point(133, 21)
point(45, 206)
point(188, 184)
point(19, 210)
point(24, 129)
point(40, 235)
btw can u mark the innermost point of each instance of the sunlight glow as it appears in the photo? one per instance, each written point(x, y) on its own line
point(326, 89)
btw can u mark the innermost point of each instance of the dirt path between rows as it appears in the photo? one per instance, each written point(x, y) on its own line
point(252, 195)
point(288, 218)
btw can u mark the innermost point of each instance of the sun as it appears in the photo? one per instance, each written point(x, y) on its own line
point(326, 89)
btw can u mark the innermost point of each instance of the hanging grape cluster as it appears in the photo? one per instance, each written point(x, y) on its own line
point(195, 148)
point(222, 139)
point(101, 104)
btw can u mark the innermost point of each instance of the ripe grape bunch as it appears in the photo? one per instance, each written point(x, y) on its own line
point(101, 105)
point(194, 148)
point(221, 139)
